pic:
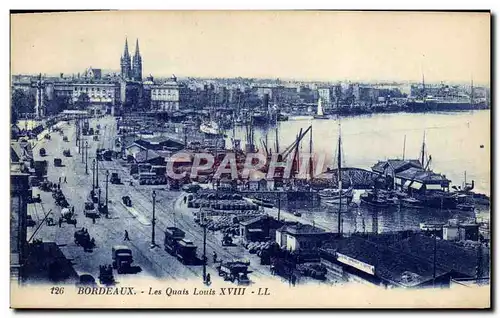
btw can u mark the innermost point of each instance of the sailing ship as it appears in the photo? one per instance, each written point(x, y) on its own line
point(337, 195)
point(319, 112)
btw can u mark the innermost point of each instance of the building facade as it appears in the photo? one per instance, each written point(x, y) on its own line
point(326, 95)
point(163, 96)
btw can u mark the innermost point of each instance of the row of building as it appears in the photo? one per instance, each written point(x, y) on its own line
point(129, 89)
point(403, 259)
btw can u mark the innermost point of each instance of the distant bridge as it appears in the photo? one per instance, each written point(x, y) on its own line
point(357, 177)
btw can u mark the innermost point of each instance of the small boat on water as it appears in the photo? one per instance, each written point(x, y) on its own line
point(373, 199)
point(282, 117)
point(336, 196)
point(411, 203)
point(319, 112)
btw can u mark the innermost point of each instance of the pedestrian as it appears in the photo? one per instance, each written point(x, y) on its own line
point(294, 280)
point(208, 279)
point(126, 238)
point(73, 209)
point(60, 222)
point(59, 180)
point(65, 180)
point(93, 219)
point(59, 186)
point(215, 257)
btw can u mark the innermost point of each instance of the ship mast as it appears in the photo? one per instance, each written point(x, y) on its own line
point(339, 174)
point(422, 154)
point(404, 147)
point(423, 86)
point(277, 140)
point(311, 153)
point(472, 91)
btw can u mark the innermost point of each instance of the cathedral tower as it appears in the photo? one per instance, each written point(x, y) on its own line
point(125, 63)
point(137, 64)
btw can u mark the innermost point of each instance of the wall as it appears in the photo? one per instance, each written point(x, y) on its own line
point(19, 194)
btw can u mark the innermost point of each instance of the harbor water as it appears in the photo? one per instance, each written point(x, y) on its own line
point(458, 142)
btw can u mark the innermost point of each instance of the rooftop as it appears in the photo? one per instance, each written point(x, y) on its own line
point(389, 264)
point(146, 155)
point(419, 175)
point(301, 229)
point(449, 255)
point(254, 220)
point(397, 165)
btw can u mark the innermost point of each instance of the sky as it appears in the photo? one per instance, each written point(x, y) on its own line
point(306, 45)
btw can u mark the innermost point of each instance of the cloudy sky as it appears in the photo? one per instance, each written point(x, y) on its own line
point(288, 44)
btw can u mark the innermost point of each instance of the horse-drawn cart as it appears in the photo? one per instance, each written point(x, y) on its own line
point(82, 238)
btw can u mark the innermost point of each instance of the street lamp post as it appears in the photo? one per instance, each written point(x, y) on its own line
point(93, 174)
point(107, 176)
point(99, 199)
point(204, 248)
point(279, 205)
point(97, 174)
point(86, 157)
point(153, 221)
point(83, 150)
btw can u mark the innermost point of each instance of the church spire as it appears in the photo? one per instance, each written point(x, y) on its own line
point(125, 63)
point(125, 50)
point(137, 63)
point(137, 53)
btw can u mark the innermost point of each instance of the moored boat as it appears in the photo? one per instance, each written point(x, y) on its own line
point(319, 112)
point(411, 203)
point(373, 199)
point(336, 196)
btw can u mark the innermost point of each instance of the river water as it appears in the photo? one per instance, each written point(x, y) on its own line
point(453, 139)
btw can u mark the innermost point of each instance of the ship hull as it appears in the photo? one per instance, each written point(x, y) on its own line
point(260, 120)
point(414, 106)
point(438, 201)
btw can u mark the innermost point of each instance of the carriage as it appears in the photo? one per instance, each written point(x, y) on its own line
point(82, 238)
point(106, 275)
point(68, 216)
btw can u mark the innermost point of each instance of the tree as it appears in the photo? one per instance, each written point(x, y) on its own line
point(83, 101)
point(58, 104)
point(23, 102)
point(13, 115)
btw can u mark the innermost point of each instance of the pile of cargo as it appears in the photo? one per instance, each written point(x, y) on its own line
point(239, 205)
point(217, 195)
point(258, 247)
point(228, 223)
point(315, 271)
